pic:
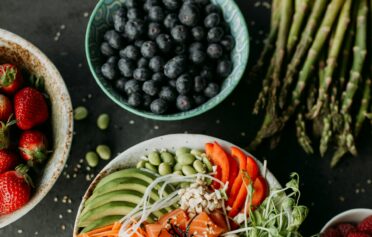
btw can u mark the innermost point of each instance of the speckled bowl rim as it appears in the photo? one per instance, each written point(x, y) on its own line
point(178, 116)
point(57, 170)
point(353, 215)
point(126, 159)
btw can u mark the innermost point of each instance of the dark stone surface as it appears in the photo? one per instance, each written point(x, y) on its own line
point(325, 191)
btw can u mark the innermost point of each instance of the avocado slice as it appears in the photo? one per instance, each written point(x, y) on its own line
point(107, 220)
point(111, 209)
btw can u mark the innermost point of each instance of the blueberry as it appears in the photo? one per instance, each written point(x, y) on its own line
point(150, 87)
point(146, 100)
point(226, 27)
point(156, 14)
point(158, 77)
point(211, 90)
point(180, 33)
point(148, 49)
point(228, 43)
point(108, 71)
point(224, 68)
point(143, 62)
point(133, 14)
point(199, 99)
point(198, 33)
point(215, 34)
point(130, 52)
point(211, 8)
point(184, 84)
point(106, 49)
point(183, 103)
point(189, 14)
point(168, 93)
point(139, 43)
point(154, 30)
point(150, 3)
point(120, 84)
point(164, 42)
point(119, 19)
point(202, 2)
point(175, 67)
point(172, 83)
point(180, 49)
point(193, 70)
point(196, 46)
point(172, 4)
point(141, 74)
point(197, 56)
point(171, 20)
point(159, 106)
point(126, 67)
point(212, 20)
point(134, 29)
point(114, 39)
point(135, 99)
point(207, 73)
point(132, 86)
point(131, 3)
point(113, 60)
point(200, 83)
point(156, 64)
point(214, 51)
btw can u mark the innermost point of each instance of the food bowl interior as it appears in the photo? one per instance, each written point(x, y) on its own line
point(131, 156)
point(350, 216)
point(18, 51)
point(100, 21)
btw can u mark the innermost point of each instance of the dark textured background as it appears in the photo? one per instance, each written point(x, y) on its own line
point(325, 191)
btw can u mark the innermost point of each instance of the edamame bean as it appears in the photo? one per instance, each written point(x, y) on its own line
point(208, 164)
point(182, 150)
point(92, 158)
point(188, 170)
point(103, 121)
point(184, 185)
point(197, 153)
point(199, 167)
point(177, 167)
point(178, 172)
point(185, 159)
point(154, 158)
point(80, 113)
point(151, 167)
point(141, 164)
point(168, 157)
point(164, 169)
point(104, 152)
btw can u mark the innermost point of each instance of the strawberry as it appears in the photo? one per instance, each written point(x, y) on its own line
point(366, 225)
point(30, 108)
point(15, 189)
point(8, 160)
point(345, 228)
point(331, 232)
point(358, 234)
point(6, 108)
point(11, 79)
point(4, 133)
point(33, 146)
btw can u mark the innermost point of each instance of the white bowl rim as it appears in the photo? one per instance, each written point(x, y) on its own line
point(170, 137)
point(339, 218)
point(37, 53)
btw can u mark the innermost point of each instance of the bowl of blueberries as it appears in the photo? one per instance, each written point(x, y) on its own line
point(167, 59)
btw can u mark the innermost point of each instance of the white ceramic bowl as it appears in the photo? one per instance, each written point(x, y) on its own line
point(131, 156)
point(350, 216)
point(14, 49)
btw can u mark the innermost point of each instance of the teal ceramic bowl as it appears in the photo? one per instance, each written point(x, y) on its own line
point(100, 21)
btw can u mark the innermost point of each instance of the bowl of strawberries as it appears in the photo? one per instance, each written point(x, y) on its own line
point(35, 126)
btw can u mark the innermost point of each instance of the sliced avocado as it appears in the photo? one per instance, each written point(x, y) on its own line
point(110, 209)
point(107, 220)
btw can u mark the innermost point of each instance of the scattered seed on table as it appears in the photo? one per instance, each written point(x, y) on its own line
point(131, 122)
point(342, 199)
point(104, 152)
point(55, 199)
point(86, 14)
point(369, 181)
point(103, 121)
point(63, 227)
point(92, 158)
point(60, 216)
point(20, 231)
point(69, 211)
point(80, 113)
point(156, 127)
point(63, 27)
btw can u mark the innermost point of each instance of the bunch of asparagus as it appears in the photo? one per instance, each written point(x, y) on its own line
point(316, 67)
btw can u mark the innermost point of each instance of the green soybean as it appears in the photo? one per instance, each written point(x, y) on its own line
point(154, 158)
point(199, 167)
point(185, 159)
point(177, 167)
point(103, 121)
point(151, 167)
point(178, 172)
point(92, 158)
point(208, 164)
point(168, 157)
point(197, 153)
point(80, 113)
point(141, 164)
point(182, 150)
point(104, 152)
point(184, 185)
point(188, 170)
point(164, 169)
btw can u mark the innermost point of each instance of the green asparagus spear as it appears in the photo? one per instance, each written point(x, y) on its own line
point(261, 101)
point(302, 137)
point(363, 107)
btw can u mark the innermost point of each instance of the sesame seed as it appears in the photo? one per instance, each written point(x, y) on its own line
point(60, 216)
point(342, 199)
point(86, 14)
point(19, 231)
point(156, 127)
point(131, 122)
point(55, 199)
point(69, 211)
point(63, 227)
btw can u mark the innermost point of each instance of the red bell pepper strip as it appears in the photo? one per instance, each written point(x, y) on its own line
point(220, 159)
point(252, 168)
point(242, 159)
point(260, 188)
point(240, 199)
point(234, 172)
